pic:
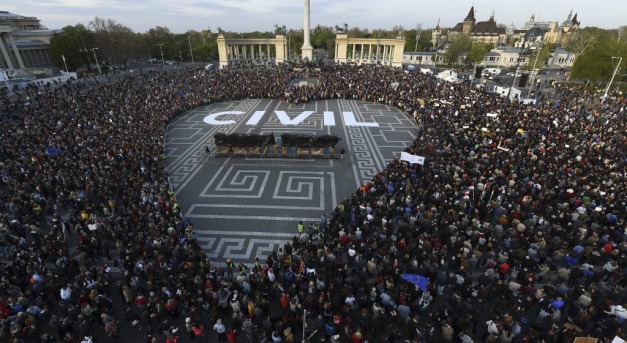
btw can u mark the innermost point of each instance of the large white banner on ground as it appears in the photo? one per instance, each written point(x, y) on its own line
point(405, 156)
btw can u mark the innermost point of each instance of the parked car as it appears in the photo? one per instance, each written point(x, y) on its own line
point(511, 73)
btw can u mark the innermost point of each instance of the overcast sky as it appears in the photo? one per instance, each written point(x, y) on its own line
point(261, 15)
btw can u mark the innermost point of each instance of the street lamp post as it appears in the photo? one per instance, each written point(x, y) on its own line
point(161, 50)
point(190, 49)
point(522, 47)
point(533, 72)
point(607, 89)
point(418, 31)
point(96, 58)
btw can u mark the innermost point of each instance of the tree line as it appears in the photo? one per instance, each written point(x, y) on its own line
point(115, 43)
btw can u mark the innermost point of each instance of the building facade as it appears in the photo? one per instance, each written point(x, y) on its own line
point(509, 58)
point(251, 51)
point(24, 42)
point(369, 50)
point(558, 33)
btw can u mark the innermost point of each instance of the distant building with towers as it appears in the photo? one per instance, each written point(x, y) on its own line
point(491, 32)
point(559, 33)
point(482, 31)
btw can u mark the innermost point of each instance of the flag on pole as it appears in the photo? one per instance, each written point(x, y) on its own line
point(405, 156)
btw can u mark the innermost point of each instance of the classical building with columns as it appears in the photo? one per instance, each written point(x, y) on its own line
point(369, 50)
point(24, 42)
point(251, 51)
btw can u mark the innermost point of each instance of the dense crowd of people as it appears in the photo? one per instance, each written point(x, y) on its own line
point(517, 219)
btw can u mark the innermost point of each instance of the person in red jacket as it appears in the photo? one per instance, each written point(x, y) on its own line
point(199, 331)
point(141, 301)
point(503, 270)
point(231, 335)
point(172, 339)
point(285, 302)
point(357, 337)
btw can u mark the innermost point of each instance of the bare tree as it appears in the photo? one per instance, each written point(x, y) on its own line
point(579, 41)
point(116, 42)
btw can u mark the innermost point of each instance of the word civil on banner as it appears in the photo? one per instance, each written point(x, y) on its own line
point(412, 158)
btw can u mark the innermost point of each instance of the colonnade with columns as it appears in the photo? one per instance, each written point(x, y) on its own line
point(35, 57)
point(369, 50)
point(9, 52)
point(249, 52)
point(244, 51)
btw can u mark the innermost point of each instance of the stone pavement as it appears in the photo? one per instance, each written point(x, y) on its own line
point(244, 208)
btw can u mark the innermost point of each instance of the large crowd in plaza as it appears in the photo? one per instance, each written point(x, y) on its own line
point(517, 219)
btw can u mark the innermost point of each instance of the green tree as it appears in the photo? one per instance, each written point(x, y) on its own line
point(71, 42)
point(204, 45)
point(159, 35)
point(323, 37)
point(459, 44)
point(423, 42)
point(595, 65)
point(540, 57)
point(478, 51)
point(356, 32)
point(597, 48)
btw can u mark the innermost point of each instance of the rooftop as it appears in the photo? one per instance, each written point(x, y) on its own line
point(9, 15)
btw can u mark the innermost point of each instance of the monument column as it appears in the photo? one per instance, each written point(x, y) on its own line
point(307, 48)
point(223, 51)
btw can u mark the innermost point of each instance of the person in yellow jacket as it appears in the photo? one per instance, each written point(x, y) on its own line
point(301, 228)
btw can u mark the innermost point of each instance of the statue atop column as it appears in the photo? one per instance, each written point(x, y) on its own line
point(341, 29)
point(280, 30)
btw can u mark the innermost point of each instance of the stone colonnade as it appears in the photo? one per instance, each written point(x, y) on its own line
point(369, 50)
point(245, 51)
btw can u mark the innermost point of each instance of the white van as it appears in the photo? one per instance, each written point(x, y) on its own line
point(491, 71)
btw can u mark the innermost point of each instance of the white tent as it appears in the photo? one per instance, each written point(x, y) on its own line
point(448, 76)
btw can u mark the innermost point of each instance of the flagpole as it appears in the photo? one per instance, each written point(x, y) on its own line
point(304, 324)
point(491, 195)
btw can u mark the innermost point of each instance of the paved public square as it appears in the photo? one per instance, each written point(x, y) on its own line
point(244, 208)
